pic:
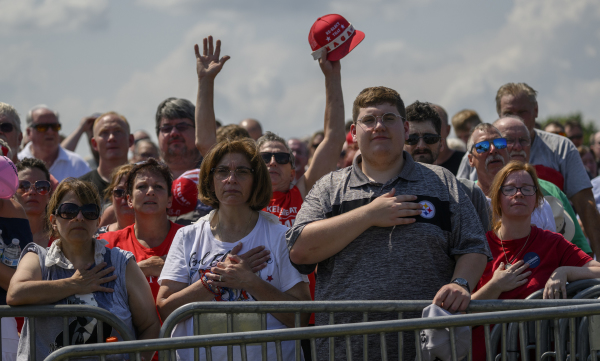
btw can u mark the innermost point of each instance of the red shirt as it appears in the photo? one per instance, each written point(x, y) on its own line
point(545, 252)
point(286, 206)
point(126, 240)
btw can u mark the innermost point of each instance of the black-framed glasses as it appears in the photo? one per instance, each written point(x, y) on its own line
point(89, 211)
point(241, 173)
point(510, 191)
point(428, 138)
point(6, 127)
point(43, 128)
point(482, 147)
point(388, 120)
point(181, 127)
point(118, 193)
point(41, 186)
point(280, 157)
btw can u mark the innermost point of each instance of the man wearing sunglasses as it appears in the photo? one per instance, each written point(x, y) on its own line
point(374, 229)
point(10, 129)
point(111, 139)
point(424, 144)
point(487, 154)
point(42, 129)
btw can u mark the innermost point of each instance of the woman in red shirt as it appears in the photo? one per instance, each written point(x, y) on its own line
point(148, 189)
point(526, 258)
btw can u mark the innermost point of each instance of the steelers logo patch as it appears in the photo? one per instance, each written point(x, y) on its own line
point(428, 209)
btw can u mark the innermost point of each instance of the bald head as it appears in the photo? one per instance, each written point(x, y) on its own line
point(518, 138)
point(253, 127)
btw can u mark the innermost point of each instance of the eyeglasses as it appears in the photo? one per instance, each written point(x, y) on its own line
point(428, 138)
point(181, 127)
point(482, 147)
point(388, 120)
point(118, 193)
point(70, 211)
point(524, 142)
point(41, 186)
point(280, 158)
point(6, 127)
point(576, 136)
point(510, 191)
point(241, 173)
point(42, 128)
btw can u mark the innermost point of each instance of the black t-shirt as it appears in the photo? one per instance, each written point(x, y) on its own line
point(94, 177)
point(14, 228)
point(453, 162)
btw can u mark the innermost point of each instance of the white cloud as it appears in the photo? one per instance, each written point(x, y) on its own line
point(60, 15)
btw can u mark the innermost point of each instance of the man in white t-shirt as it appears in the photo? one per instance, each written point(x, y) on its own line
point(42, 129)
point(555, 157)
point(487, 154)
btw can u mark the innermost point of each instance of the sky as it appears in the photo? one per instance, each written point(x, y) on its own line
point(81, 57)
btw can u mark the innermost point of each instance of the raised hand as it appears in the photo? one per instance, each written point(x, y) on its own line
point(329, 67)
point(90, 280)
point(390, 210)
point(208, 65)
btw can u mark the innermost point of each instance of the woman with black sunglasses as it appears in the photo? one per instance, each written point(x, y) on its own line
point(78, 269)
point(34, 194)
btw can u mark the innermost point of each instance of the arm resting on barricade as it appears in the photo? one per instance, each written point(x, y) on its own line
point(453, 297)
point(556, 284)
point(173, 294)
point(141, 305)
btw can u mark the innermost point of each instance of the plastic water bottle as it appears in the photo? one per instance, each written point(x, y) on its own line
point(12, 253)
point(2, 245)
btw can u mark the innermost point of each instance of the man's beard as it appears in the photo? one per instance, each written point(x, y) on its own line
point(181, 154)
point(423, 156)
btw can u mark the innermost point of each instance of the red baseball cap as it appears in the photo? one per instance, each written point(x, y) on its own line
point(334, 35)
point(185, 193)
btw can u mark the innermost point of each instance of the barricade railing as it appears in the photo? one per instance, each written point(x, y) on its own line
point(242, 339)
point(65, 311)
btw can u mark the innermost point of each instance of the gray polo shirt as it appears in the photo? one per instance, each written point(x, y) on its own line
point(407, 262)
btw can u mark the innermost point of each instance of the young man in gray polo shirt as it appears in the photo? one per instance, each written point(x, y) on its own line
point(387, 228)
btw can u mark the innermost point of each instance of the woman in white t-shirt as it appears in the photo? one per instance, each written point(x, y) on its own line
point(237, 252)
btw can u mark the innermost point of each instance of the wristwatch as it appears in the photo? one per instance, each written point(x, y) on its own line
point(462, 282)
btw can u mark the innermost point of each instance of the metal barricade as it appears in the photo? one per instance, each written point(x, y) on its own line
point(243, 339)
point(65, 311)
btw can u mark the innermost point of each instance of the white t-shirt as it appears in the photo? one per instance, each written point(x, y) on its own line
point(195, 248)
point(542, 217)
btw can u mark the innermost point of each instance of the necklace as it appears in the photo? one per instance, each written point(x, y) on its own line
point(509, 263)
point(245, 229)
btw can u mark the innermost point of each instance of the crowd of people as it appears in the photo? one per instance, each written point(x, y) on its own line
point(383, 207)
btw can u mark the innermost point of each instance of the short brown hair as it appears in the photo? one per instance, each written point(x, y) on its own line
point(515, 89)
point(375, 96)
point(151, 165)
point(86, 192)
point(231, 132)
point(465, 120)
point(495, 188)
point(261, 186)
point(116, 177)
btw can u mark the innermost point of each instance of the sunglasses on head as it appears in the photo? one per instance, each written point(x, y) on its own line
point(280, 158)
point(70, 211)
point(482, 147)
point(42, 128)
point(6, 127)
point(118, 193)
point(41, 186)
point(428, 138)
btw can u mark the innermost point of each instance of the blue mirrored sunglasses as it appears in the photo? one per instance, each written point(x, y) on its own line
point(482, 147)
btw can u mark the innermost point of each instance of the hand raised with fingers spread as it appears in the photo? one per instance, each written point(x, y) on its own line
point(208, 65)
point(390, 210)
point(90, 280)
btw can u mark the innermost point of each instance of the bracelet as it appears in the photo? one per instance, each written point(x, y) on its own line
point(204, 281)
